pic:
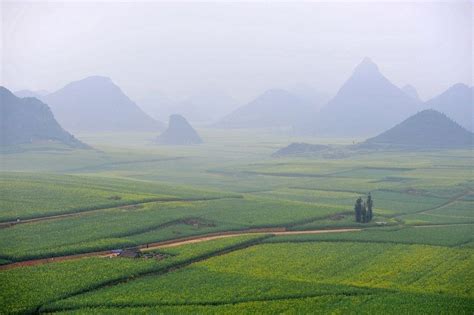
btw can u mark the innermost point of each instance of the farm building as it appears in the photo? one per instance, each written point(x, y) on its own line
point(130, 253)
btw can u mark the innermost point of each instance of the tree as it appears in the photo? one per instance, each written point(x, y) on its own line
point(358, 210)
point(370, 204)
point(364, 213)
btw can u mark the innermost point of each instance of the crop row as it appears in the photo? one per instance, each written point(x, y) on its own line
point(453, 235)
point(114, 228)
point(26, 288)
point(281, 271)
point(376, 303)
point(33, 195)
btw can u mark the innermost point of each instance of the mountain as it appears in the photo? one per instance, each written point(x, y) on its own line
point(28, 93)
point(411, 91)
point(28, 120)
point(97, 104)
point(157, 105)
point(179, 132)
point(203, 107)
point(366, 104)
point(310, 94)
point(457, 103)
point(273, 109)
point(428, 128)
point(206, 106)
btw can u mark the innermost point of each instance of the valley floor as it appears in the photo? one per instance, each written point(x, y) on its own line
point(225, 228)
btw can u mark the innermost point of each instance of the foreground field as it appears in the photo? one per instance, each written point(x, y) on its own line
point(255, 272)
point(416, 256)
point(25, 289)
point(280, 271)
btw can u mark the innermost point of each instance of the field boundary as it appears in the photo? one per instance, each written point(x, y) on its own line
point(313, 175)
point(240, 301)
point(92, 167)
point(444, 204)
point(78, 212)
point(326, 190)
point(158, 270)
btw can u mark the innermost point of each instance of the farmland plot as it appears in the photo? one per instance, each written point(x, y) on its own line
point(27, 288)
point(124, 227)
point(298, 271)
point(452, 235)
point(33, 195)
point(234, 184)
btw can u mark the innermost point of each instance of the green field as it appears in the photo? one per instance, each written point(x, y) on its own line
point(288, 271)
point(416, 256)
point(451, 235)
point(28, 288)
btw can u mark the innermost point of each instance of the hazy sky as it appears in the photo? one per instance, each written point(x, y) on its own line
point(242, 48)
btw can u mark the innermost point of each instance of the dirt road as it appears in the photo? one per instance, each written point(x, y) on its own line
point(174, 243)
point(234, 234)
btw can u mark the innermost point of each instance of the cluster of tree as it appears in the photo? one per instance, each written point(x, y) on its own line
point(363, 210)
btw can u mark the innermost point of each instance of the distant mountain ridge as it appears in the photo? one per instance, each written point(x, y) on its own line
point(204, 107)
point(366, 104)
point(97, 104)
point(310, 94)
point(457, 102)
point(28, 93)
point(179, 132)
point(28, 120)
point(275, 108)
point(411, 91)
point(428, 128)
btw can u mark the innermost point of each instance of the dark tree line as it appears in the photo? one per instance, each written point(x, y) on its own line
point(363, 210)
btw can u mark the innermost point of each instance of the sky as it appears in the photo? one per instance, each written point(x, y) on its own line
point(178, 49)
